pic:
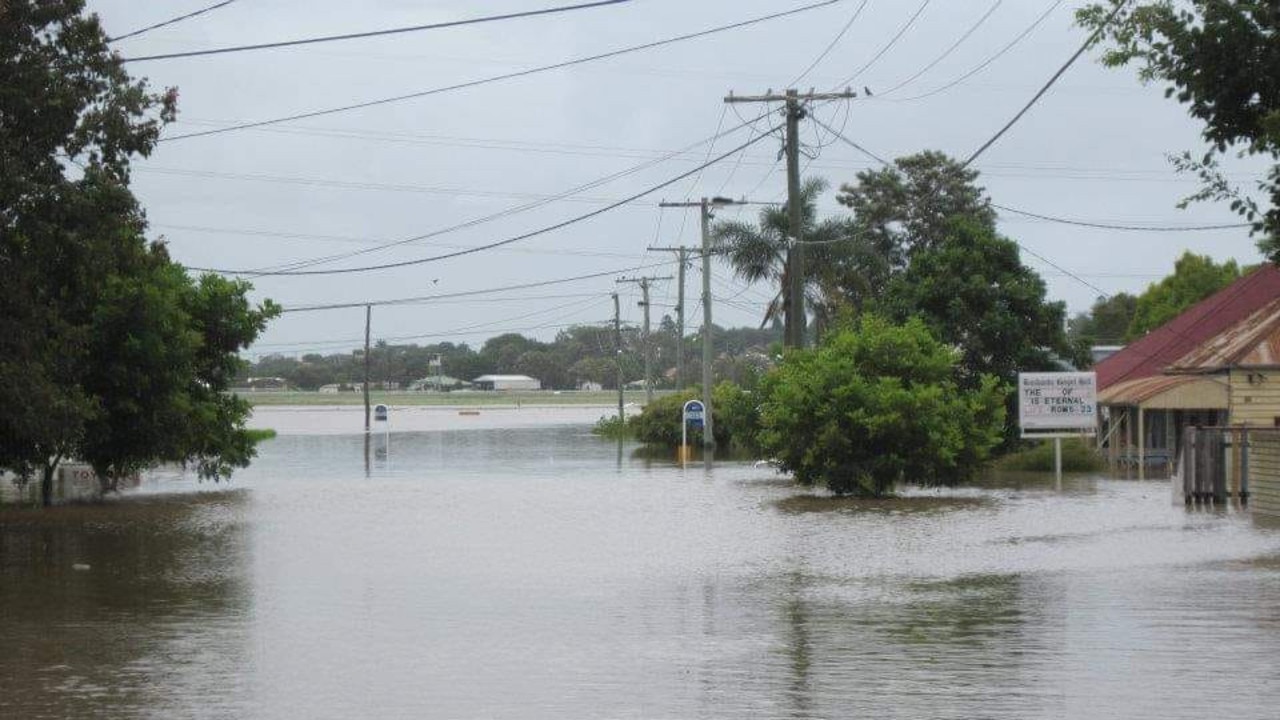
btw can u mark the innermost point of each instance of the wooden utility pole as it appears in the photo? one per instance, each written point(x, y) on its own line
point(796, 111)
point(683, 253)
point(368, 320)
point(644, 284)
point(708, 354)
point(617, 359)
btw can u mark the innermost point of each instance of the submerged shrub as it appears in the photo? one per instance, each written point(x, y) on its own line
point(874, 405)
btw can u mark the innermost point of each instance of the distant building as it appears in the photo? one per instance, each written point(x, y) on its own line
point(1102, 352)
point(506, 382)
point(262, 383)
point(590, 386)
point(438, 382)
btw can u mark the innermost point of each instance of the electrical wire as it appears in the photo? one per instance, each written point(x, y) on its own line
point(1124, 228)
point(830, 46)
point(986, 63)
point(499, 243)
point(420, 299)
point(1052, 80)
point(506, 76)
point(946, 53)
point(589, 298)
point(1055, 219)
point(376, 33)
point(170, 21)
point(298, 265)
point(892, 41)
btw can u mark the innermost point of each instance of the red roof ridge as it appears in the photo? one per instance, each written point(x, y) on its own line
point(1198, 324)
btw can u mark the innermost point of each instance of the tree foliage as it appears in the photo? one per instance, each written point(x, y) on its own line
point(759, 253)
point(1106, 322)
point(973, 292)
point(1194, 278)
point(1221, 60)
point(875, 405)
point(109, 352)
point(910, 205)
point(734, 413)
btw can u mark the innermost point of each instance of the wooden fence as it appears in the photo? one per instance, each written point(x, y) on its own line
point(1217, 464)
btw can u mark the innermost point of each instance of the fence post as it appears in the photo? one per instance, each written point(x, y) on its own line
point(1244, 467)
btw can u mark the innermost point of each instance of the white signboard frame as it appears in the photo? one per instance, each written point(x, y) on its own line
point(1061, 404)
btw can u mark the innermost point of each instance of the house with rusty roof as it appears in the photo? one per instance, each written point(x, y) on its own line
point(1218, 363)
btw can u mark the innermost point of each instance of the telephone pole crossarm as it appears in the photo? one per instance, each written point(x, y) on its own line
point(644, 283)
point(846, 94)
point(682, 253)
point(706, 205)
point(796, 110)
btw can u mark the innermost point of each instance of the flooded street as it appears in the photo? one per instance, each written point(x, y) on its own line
point(523, 568)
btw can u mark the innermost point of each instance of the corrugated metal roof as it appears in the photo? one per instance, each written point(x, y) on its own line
point(1168, 343)
point(1254, 341)
point(1194, 392)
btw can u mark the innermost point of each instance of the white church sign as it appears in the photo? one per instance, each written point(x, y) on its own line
point(1058, 402)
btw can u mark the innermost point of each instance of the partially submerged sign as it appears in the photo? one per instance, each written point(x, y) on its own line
point(694, 414)
point(1058, 402)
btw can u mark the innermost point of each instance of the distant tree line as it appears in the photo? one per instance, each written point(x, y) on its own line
point(1122, 318)
point(577, 355)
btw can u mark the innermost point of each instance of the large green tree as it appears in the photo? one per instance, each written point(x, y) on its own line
point(1222, 60)
point(972, 290)
point(1106, 323)
point(911, 204)
point(109, 352)
point(875, 405)
point(1194, 278)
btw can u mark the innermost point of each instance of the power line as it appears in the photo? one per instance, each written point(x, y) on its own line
point(892, 41)
point(500, 243)
point(1052, 80)
point(170, 21)
point(830, 46)
point(377, 33)
point(508, 76)
point(1052, 218)
point(297, 265)
point(947, 53)
point(618, 151)
point(469, 293)
point(985, 63)
point(589, 297)
point(250, 232)
point(1126, 228)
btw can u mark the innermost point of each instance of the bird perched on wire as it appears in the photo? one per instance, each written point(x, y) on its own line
point(866, 91)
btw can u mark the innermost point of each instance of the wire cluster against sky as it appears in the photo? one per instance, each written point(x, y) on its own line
point(844, 47)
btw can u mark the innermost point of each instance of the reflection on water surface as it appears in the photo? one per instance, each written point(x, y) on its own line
point(536, 571)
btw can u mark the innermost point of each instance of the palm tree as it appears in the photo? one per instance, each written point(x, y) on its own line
point(835, 260)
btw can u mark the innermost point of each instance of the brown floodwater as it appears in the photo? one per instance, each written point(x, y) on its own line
point(534, 571)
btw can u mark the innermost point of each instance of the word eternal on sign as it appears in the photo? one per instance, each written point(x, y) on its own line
point(1057, 401)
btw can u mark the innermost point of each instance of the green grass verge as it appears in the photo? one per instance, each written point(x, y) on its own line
point(1076, 457)
point(259, 434)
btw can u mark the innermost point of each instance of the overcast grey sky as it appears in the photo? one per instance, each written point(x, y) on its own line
point(1094, 148)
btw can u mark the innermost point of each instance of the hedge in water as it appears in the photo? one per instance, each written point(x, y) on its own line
point(876, 404)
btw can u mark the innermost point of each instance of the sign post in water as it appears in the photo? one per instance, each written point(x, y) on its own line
point(1057, 405)
point(694, 415)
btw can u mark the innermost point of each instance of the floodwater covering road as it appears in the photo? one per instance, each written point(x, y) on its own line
point(525, 569)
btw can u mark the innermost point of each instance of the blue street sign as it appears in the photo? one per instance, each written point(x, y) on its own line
point(694, 413)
